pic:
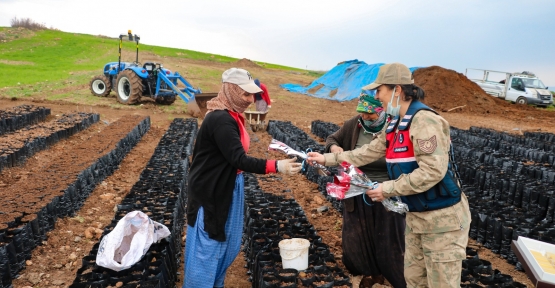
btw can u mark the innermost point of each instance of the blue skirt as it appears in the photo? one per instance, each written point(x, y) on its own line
point(207, 260)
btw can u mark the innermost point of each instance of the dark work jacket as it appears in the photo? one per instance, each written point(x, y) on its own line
point(346, 137)
point(217, 155)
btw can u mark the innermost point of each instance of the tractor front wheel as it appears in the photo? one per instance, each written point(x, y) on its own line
point(100, 86)
point(165, 100)
point(129, 88)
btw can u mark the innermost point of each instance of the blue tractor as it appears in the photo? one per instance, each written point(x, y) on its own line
point(131, 80)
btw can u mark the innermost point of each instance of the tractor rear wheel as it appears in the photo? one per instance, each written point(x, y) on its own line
point(129, 88)
point(165, 100)
point(100, 86)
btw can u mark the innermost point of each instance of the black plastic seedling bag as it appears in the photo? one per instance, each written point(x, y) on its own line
point(482, 228)
point(5, 277)
point(517, 201)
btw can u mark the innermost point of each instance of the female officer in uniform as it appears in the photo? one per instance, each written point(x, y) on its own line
point(416, 146)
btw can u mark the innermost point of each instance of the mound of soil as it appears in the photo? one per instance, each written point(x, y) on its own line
point(246, 63)
point(446, 89)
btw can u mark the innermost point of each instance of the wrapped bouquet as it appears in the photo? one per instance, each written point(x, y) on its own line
point(351, 182)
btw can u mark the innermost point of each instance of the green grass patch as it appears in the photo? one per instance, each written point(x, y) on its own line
point(48, 63)
point(50, 56)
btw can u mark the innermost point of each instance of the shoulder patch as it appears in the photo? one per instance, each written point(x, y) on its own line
point(427, 146)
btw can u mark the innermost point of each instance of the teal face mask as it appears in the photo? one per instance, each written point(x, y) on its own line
point(369, 122)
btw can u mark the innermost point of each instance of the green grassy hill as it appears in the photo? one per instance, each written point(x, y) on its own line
point(39, 61)
point(54, 65)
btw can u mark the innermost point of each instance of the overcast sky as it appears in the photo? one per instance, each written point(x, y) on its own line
point(506, 35)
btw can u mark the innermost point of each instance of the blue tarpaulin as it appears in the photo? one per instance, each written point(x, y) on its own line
point(342, 83)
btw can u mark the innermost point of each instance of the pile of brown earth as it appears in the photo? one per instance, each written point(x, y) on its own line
point(246, 63)
point(447, 89)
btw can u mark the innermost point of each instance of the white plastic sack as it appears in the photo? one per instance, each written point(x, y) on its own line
point(129, 241)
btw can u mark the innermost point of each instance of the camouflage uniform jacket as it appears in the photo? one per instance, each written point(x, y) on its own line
point(430, 136)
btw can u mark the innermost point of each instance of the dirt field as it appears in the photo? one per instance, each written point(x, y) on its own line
point(54, 264)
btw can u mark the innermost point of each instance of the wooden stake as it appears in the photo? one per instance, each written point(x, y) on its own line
point(456, 108)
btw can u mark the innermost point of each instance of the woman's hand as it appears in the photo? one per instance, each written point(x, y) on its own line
point(289, 166)
point(335, 149)
point(376, 194)
point(315, 157)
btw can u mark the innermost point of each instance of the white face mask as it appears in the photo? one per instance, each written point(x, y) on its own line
point(393, 111)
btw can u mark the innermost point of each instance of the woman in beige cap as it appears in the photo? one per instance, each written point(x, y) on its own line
point(216, 197)
point(416, 146)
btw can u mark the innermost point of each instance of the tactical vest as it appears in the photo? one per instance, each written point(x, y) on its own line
point(400, 159)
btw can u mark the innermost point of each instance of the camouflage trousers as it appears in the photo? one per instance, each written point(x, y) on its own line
point(435, 260)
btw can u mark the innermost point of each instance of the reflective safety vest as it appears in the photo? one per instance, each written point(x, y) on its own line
point(400, 160)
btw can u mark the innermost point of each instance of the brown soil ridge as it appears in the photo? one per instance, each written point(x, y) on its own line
point(27, 194)
point(11, 142)
point(55, 263)
point(446, 89)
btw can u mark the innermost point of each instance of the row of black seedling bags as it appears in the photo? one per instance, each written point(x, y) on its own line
point(21, 238)
point(17, 117)
point(268, 220)
point(479, 273)
point(541, 141)
point(509, 209)
point(520, 147)
point(509, 164)
point(28, 144)
point(508, 197)
point(161, 193)
point(323, 129)
point(297, 139)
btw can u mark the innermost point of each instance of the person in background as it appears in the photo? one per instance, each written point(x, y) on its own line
point(373, 239)
point(216, 197)
point(416, 147)
point(262, 99)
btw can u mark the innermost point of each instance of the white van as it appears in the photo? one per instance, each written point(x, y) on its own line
point(521, 88)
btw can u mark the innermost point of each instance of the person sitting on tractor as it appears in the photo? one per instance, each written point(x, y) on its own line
point(262, 99)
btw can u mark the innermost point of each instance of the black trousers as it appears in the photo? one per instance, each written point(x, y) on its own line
point(374, 242)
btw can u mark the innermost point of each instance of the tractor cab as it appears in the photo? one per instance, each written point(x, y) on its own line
point(149, 66)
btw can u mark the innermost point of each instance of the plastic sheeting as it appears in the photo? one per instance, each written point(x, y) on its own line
point(342, 83)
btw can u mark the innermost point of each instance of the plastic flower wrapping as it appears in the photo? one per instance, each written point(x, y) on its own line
point(276, 145)
point(351, 181)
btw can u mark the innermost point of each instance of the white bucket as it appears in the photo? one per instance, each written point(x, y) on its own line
point(294, 253)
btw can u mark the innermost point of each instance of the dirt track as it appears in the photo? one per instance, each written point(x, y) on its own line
point(59, 257)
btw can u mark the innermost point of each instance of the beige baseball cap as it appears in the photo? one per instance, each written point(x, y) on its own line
point(242, 78)
point(393, 73)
